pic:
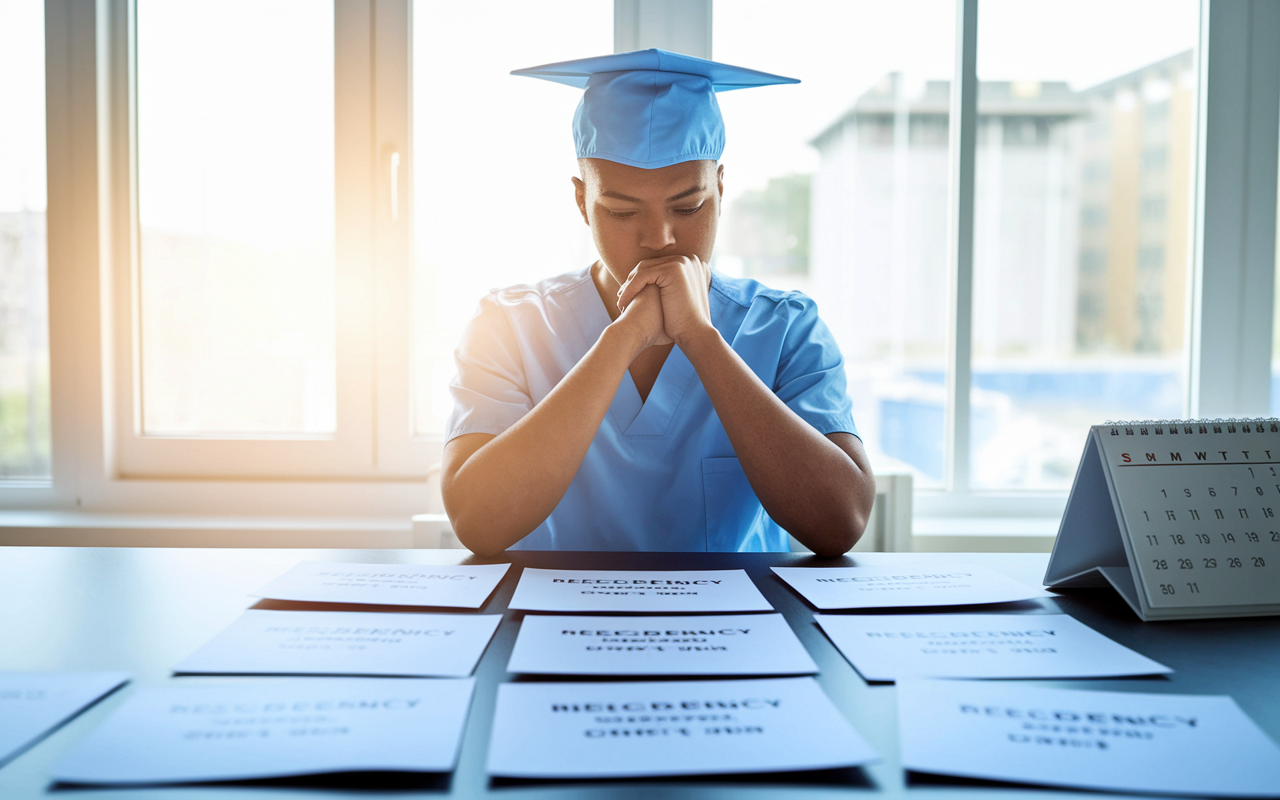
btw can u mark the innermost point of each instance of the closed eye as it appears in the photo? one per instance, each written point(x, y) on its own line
point(620, 214)
point(689, 211)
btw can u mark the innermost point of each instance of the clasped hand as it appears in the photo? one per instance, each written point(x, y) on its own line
point(668, 297)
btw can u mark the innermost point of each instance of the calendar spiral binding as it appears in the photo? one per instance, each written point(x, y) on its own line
point(1175, 427)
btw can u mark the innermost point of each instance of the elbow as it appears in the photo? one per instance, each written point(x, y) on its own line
point(472, 536)
point(832, 534)
point(472, 533)
point(851, 523)
point(485, 525)
point(481, 531)
point(480, 547)
point(834, 551)
point(841, 528)
point(848, 509)
point(840, 536)
point(461, 507)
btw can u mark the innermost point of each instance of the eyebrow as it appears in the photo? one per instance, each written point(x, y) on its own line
point(671, 199)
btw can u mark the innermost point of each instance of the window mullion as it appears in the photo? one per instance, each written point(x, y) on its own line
point(353, 202)
point(681, 26)
point(1234, 272)
point(398, 450)
point(963, 154)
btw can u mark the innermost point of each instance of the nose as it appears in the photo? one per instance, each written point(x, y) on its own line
point(657, 234)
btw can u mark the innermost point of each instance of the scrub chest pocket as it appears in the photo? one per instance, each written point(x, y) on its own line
point(736, 522)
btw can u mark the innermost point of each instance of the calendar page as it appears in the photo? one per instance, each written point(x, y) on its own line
point(1198, 502)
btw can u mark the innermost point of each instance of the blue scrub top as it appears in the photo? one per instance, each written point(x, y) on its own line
point(660, 474)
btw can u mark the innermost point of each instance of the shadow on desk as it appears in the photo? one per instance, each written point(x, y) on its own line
point(436, 782)
point(844, 777)
point(920, 780)
point(267, 604)
point(1011, 607)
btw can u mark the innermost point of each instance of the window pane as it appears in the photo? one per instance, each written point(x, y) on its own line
point(1275, 333)
point(493, 155)
point(838, 187)
point(1084, 173)
point(24, 305)
point(236, 172)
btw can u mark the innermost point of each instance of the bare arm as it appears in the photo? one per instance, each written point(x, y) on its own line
point(497, 489)
point(819, 488)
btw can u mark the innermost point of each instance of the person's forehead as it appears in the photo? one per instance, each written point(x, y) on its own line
point(661, 183)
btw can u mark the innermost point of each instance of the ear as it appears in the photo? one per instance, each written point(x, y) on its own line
point(580, 195)
point(720, 185)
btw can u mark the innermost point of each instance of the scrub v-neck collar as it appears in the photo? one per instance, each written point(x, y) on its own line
point(631, 415)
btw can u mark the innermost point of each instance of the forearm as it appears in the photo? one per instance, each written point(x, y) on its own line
point(806, 483)
point(507, 487)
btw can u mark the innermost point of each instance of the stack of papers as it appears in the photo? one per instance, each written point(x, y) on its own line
point(1110, 741)
point(743, 644)
point(887, 648)
point(32, 704)
point(639, 591)
point(184, 734)
point(616, 730)
point(387, 584)
point(346, 643)
point(885, 587)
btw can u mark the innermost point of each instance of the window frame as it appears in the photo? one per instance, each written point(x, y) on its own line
point(91, 114)
point(99, 464)
point(349, 451)
point(1233, 243)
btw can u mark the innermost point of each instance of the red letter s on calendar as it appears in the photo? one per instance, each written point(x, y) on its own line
point(1126, 458)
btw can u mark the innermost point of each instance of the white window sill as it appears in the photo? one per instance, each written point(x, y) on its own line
point(984, 534)
point(88, 529)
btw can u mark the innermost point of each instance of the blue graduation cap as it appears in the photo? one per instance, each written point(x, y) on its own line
point(650, 108)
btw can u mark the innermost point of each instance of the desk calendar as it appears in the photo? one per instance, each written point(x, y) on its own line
point(1179, 517)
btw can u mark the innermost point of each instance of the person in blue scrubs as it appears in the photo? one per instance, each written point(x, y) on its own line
point(647, 402)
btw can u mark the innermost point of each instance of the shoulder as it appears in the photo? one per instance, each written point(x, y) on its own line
point(540, 294)
point(757, 299)
point(779, 321)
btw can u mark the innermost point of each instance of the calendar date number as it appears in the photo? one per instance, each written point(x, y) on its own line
point(1225, 537)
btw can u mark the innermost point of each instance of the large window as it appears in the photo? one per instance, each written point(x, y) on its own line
point(236, 209)
point(838, 187)
point(269, 222)
point(24, 322)
point(236, 205)
point(1083, 212)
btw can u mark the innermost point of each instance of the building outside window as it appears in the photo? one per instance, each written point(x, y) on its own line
point(1081, 249)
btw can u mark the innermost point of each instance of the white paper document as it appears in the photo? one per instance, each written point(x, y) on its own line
point(641, 591)
point(889, 587)
point(889, 647)
point(184, 734)
point(465, 586)
point(32, 704)
point(346, 643)
point(739, 644)
point(617, 730)
point(1111, 741)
